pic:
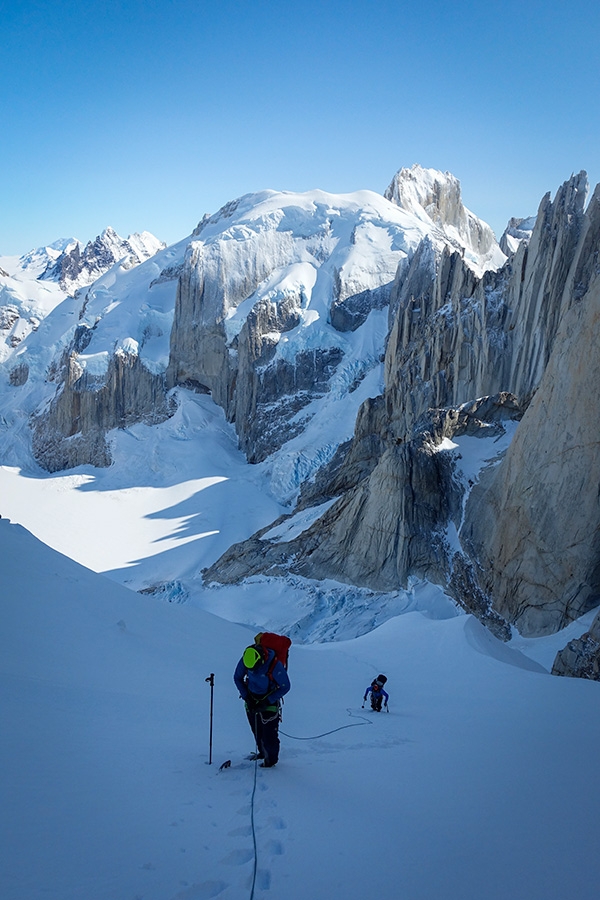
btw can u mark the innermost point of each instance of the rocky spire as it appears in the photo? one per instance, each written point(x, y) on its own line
point(436, 197)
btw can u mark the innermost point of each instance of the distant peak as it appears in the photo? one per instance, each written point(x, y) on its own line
point(419, 190)
point(435, 196)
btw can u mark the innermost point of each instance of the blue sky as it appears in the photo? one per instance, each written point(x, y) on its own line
point(145, 114)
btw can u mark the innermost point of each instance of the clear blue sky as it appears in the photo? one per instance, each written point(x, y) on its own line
point(145, 114)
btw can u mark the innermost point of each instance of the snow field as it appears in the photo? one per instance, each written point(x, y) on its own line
point(479, 782)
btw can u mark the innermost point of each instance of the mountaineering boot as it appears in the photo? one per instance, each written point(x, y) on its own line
point(254, 756)
point(267, 765)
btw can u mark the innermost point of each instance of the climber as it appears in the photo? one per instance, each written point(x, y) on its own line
point(378, 695)
point(262, 680)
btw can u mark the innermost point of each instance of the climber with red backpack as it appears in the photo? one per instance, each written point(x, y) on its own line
point(262, 680)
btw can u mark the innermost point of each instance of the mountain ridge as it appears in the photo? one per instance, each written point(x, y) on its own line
point(347, 337)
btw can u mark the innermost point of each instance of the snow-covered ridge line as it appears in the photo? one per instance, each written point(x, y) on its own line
point(335, 332)
point(32, 285)
point(290, 284)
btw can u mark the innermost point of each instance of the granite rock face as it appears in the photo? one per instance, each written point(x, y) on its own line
point(436, 196)
point(525, 337)
point(581, 657)
point(455, 337)
point(387, 504)
point(72, 430)
point(535, 530)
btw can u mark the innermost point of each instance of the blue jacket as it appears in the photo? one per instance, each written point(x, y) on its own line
point(257, 682)
point(381, 691)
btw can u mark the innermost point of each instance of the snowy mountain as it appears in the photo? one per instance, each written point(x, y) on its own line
point(32, 285)
point(435, 198)
point(24, 299)
point(38, 261)
point(78, 266)
point(466, 356)
point(420, 414)
point(354, 343)
point(281, 299)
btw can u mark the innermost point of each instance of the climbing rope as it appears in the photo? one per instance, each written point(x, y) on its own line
point(314, 737)
point(253, 832)
point(294, 737)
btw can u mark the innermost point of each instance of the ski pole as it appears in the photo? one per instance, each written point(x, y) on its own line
point(211, 681)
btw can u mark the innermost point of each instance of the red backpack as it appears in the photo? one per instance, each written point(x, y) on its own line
point(276, 642)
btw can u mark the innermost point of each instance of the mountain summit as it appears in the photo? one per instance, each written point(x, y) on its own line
point(78, 266)
point(435, 198)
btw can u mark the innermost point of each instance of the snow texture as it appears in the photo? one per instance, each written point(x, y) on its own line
point(107, 794)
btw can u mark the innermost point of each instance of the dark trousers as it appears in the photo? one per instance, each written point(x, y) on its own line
point(265, 728)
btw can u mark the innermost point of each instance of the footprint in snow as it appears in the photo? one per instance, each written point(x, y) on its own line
point(244, 810)
point(244, 831)
point(275, 848)
point(238, 857)
point(263, 879)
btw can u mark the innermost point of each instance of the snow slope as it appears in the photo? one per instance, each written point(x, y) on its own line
point(480, 782)
point(24, 302)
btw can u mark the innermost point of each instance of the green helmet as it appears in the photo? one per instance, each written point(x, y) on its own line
point(251, 657)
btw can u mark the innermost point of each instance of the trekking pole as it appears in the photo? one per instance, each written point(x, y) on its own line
point(211, 680)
